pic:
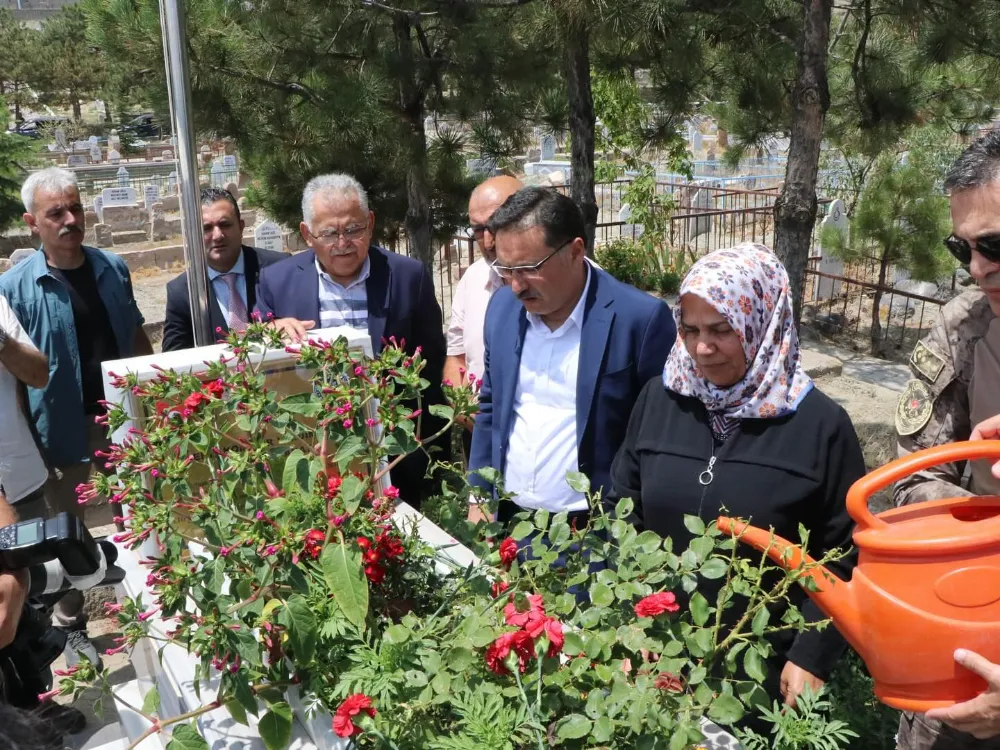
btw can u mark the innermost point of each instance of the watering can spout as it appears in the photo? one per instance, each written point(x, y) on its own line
point(832, 595)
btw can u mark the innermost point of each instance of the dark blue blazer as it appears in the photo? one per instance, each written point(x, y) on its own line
point(627, 335)
point(401, 303)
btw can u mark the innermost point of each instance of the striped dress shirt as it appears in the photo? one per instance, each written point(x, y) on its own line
point(340, 305)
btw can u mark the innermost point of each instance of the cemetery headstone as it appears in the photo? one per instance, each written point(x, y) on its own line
point(836, 217)
point(22, 253)
point(76, 160)
point(99, 207)
point(548, 147)
point(172, 183)
point(61, 138)
point(114, 141)
point(92, 140)
point(229, 167)
point(118, 196)
point(217, 178)
point(267, 236)
point(114, 157)
point(95, 154)
point(151, 194)
point(103, 236)
point(625, 212)
point(168, 154)
point(232, 189)
point(123, 178)
point(700, 225)
point(696, 141)
point(429, 126)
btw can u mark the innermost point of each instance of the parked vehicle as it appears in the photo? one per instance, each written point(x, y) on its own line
point(36, 127)
point(146, 125)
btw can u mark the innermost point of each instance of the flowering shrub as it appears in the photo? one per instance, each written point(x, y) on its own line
point(279, 564)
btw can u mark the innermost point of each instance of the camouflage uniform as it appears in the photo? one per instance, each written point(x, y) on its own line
point(938, 407)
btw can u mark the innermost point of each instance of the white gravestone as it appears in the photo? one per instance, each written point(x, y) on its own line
point(625, 212)
point(114, 157)
point(696, 141)
point(21, 254)
point(81, 145)
point(229, 168)
point(99, 208)
point(548, 147)
point(113, 140)
point(92, 140)
point(76, 160)
point(95, 154)
point(700, 224)
point(119, 196)
point(123, 178)
point(151, 194)
point(172, 183)
point(267, 236)
point(218, 179)
point(824, 289)
point(61, 138)
point(836, 217)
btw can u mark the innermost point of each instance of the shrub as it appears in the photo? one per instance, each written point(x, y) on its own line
point(623, 259)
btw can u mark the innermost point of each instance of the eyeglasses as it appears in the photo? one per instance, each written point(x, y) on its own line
point(476, 230)
point(988, 246)
point(508, 272)
point(352, 233)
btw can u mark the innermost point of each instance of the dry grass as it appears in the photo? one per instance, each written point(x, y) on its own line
point(878, 443)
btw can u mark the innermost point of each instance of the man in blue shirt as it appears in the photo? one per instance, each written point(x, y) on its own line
point(76, 304)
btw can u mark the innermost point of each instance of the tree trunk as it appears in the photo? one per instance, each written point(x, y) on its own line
point(876, 329)
point(795, 209)
point(107, 111)
point(581, 124)
point(77, 111)
point(418, 221)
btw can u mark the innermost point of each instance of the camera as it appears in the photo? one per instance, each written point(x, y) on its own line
point(49, 550)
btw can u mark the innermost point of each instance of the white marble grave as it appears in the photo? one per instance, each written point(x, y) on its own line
point(267, 236)
point(119, 196)
point(151, 194)
point(548, 146)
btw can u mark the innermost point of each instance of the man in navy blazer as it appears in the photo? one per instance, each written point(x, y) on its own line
point(568, 348)
point(345, 280)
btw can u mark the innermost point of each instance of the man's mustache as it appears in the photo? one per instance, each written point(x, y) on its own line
point(526, 295)
point(70, 229)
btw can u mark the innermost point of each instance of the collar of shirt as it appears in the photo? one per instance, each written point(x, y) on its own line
point(575, 317)
point(362, 277)
point(239, 268)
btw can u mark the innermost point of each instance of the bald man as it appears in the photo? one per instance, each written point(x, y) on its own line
point(468, 306)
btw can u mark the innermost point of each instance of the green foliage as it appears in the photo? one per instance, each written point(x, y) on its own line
point(68, 70)
point(623, 259)
point(852, 701)
point(15, 156)
point(805, 726)
point(19, 58)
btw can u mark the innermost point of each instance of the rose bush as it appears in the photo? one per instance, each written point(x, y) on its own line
point(279, 563)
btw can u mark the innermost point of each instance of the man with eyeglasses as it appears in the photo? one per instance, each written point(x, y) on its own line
point(955, 385)
point(568, 348)
point(478, 283)
point(345, 280)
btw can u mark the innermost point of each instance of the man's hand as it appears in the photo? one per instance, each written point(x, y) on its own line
point(988, 429)
point(794, 679)
point(13, 591)
point(979, 717)
point(293, 330)
point(479, 513)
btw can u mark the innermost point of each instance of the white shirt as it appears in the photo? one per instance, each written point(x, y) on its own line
point(468, 315)
point(221, 289)
point(542, 445)
point(22, 470)
point(344, 305)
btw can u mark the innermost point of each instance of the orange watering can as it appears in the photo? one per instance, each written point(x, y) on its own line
point(927, 582)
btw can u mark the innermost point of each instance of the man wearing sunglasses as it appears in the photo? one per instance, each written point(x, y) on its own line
point(346, 280)
point(955, 385)
point(568, 348)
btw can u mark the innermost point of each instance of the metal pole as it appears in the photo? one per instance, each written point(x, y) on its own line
point(178, 87)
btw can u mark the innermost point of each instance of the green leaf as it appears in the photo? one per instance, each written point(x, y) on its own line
point(559, 533)
point(346, 579)
point(759, 623)
point(442, 410)
point(754, 665)
point(601, 595)
point(697, 675)
point(352, 446)
point(578, 481)
point(398, 634)
point(522, 530)
point(296, 471)
point(151, 703)
point(573, 727)
point(352, 490)
point(243, 695)
point(726, 709)
point(300, 620)
point(624, 508)
point(699, 609)
point(714, 567)
point(237, 711)
point(301, 403)
point(186, 737)
point(275, 727)
point(702, 547)
point(572, 643)
point(694, 524)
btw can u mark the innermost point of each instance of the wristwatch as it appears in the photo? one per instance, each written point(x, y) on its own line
point(3, 338)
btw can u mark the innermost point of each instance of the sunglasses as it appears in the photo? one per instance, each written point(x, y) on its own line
point(988, 246)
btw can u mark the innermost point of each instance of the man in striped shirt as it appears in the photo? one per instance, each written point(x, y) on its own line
point(345, 280)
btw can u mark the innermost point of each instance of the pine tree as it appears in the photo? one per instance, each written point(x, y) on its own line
point(18, 57)
point(15, 157)
point(68, 70)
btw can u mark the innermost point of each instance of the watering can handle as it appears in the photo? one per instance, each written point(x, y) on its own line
point(882, 477)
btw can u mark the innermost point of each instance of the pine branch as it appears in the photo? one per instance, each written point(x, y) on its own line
point(288, 86)
point(412, 15)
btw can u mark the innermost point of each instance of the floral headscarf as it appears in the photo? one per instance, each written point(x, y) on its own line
point(747, 285)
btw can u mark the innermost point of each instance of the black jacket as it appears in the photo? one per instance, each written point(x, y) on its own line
point(178, 331)
point(774, 472)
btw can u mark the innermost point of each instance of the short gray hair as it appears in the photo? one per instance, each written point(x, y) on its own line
point(56, 179)
point(327, 184)
point(977, 166)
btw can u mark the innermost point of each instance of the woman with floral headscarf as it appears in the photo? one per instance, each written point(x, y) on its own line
point(737, 424)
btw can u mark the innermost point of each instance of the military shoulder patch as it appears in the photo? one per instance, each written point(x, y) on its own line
point(914, 408)
point(926, 361)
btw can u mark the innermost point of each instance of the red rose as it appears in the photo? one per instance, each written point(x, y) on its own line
point(536, 611)
point(669, 682)
point(313, 543)
point(333, 486)
point(499, 587)
point(508, 552)
point(351, 707)
point(195, 400)
point(216, 388)
point(554, 631)
point(390, 546)
point(657, 604)
point(518, 641)
point(375, 573)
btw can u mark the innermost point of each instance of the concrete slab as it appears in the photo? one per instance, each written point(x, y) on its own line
point(880, 372)
point(819, 365)
point(132, 235)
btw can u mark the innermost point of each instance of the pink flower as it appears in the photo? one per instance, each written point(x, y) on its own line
point(508, 552)
point(657, 604)
point(348, 424)
point(535, 612)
